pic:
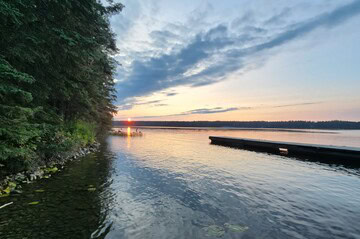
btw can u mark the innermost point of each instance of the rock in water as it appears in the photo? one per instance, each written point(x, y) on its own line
point(20, 177)
point(91, 189)
point(214, 231)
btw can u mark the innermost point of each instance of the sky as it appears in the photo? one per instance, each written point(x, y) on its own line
point(238, 60)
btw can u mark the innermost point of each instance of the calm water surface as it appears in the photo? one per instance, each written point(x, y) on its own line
point(174, 184)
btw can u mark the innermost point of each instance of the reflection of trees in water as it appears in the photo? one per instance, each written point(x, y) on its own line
point(104, 194)
point(66, 209)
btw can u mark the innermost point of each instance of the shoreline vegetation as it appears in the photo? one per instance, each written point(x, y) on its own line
point(260, 125)
point(56, 83)
point(234, 128)
point(11, 184)
point(125, 134)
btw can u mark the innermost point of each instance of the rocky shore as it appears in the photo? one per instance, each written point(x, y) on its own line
point(11, 184)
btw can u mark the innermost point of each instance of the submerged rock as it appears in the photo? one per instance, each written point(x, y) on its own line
point(91, 189)
point(32, 177)
point(214, 231)
point(36, 175)
point(45, 169)
point(20, 177)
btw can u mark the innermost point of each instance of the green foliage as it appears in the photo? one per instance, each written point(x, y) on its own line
point(18, 135)
point(51, 170)
point(54, 140)
point(56, 76)
point(82, 132)
point(8, 189)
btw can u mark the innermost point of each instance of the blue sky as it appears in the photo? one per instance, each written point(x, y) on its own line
point(238, 60)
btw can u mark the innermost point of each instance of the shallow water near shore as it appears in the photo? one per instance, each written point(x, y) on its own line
point(175, 184)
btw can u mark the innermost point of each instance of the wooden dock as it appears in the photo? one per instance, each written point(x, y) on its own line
point(288, 148)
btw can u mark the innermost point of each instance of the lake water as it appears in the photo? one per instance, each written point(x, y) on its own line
point(175, 184)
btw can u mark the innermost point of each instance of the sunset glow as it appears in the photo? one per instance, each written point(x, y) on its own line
point(234, 61)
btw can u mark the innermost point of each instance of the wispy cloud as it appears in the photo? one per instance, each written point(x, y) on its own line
point(208, 111)
point(200, 111)
point(160, 105)
point(299, 104)
point(217, 110)
point(210, 56)
point(130, 104)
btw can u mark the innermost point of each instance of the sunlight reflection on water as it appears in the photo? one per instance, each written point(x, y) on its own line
point(175, 184)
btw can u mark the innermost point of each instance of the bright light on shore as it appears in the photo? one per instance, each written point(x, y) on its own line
point(129, 119)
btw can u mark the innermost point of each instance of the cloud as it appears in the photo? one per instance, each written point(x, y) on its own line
point(209, 111)
point(160, 105)
point(130, 104)
point(244, 19)
point(279, 18)
point(162, 38)
point(200, 111)
point(148, 102)
point(211, 55)
point(299, 104)
point(125, 107)
point(216, 110)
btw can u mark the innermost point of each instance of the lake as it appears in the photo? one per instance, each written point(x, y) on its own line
point(172, 183)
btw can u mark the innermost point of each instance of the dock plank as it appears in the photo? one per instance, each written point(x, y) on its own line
point(291, 148)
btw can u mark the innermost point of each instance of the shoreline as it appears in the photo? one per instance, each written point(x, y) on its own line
point(11, 184)
point(311, 131)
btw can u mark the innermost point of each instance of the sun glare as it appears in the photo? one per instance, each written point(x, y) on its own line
point(129, 119)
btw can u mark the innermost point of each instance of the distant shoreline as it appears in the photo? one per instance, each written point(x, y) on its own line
point(231, 129)
point(287, 126)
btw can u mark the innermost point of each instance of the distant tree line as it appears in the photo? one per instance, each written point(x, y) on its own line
point(248, 124)
point(56, 76)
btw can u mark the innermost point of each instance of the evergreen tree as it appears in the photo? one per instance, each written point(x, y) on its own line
point(17, 134)
point(56, 74)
